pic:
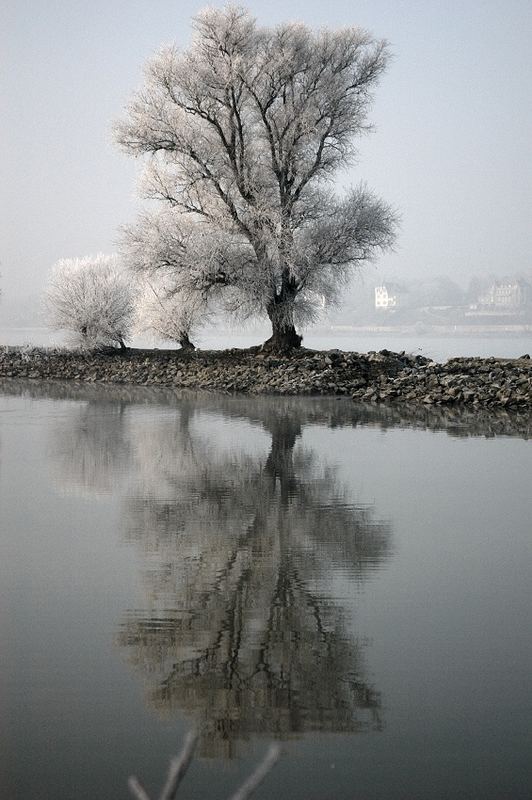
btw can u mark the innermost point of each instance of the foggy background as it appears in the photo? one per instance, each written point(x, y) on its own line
point(450, 149)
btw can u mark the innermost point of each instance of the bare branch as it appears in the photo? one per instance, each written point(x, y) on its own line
point(180, 764)
point(137, 789)
point(179, 767)
point(256, 778)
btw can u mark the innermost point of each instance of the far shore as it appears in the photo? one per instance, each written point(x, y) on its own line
point(435, 330)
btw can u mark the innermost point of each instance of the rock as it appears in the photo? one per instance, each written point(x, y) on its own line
point(375, 377)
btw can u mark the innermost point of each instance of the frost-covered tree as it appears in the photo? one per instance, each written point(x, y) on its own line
point(243, 132)
point(172, 315)
point(93, 299)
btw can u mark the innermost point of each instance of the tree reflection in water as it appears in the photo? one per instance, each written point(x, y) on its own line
point(89, 448)
point(244, 553)
point(242, 632)
point(245, 548)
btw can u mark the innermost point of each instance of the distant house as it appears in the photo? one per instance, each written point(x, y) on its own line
point(505, 294)
point(387, 296)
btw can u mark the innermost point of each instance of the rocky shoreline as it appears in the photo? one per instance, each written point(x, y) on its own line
point(374, 377)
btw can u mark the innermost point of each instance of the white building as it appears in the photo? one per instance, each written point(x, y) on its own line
point(385, 297)
point(505, 295)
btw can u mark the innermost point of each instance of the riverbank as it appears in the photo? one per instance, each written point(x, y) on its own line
point(369, 377)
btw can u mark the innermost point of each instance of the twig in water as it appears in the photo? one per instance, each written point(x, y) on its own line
point(137, 789)
point(256, 778)
point(180, 764)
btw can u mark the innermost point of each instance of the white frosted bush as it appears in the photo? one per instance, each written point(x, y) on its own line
point(91, 298)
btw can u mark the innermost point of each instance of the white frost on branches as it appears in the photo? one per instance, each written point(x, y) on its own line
point(93, 299)
point(242, 131)
point(172, 316)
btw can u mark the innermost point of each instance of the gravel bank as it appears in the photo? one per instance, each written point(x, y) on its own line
point(372, 377)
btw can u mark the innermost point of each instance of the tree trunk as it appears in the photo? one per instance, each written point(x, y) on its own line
point(280, 462)
point(284, 335)
point(185, 342)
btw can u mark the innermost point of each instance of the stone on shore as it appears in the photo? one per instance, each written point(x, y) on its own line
point(373, 377)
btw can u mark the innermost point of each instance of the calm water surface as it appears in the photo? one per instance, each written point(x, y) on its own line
point(352, 581)
point(439, 348)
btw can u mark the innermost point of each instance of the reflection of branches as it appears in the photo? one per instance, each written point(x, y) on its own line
point(332, 412)
point(89, 447)
point(242, 631)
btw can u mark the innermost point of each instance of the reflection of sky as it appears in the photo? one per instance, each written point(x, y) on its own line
point(447, 621)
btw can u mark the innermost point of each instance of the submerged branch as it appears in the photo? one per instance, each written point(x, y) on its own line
point(255, 779)
point(179, 766)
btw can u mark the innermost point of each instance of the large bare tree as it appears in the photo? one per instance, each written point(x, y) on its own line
point(244, 131)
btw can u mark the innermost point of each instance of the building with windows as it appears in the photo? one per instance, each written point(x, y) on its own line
point(505, 294)
point(387, 296)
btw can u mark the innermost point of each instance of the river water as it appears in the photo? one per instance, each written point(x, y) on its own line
point(439, 348)
point(351, 581)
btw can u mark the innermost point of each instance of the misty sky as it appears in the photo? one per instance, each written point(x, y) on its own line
point(451, 149)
